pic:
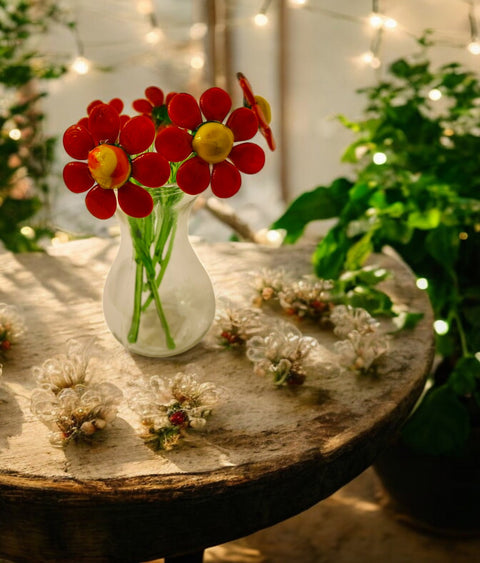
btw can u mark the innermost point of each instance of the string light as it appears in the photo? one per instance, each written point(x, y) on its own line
point(435, 94)
point(474, 46)
point(80, 65)
point(422, 283)
point(441, 327)
point(15, 134)
point(198, 31)
point(298, 3)
point(261, 18)
point(154, 36)
point(379, 158)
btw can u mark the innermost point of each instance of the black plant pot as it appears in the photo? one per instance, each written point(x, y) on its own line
point(437, 494)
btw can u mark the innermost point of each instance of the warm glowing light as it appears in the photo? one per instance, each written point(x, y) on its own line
point(474, 48)
point(197, 61)
point(260, 19)
point(379, 158)
point(435, 94)
point(298, 3)
point(441, 327)
point(389, 23)
point(477, 356)
point(15, 134)
point(375, 20)
point(28, 232)
point(448, 132)
point(154, 36)
point(463, 235)
point(198, 31)
point(422, 283)
point(370, 59)
point(80, 65)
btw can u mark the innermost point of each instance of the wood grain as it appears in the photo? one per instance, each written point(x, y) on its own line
point(266, 454)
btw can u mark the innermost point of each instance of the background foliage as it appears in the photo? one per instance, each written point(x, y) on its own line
point(424, 201)
point(26, 153)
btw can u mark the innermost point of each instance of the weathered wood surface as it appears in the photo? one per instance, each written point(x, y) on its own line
point(266, 454)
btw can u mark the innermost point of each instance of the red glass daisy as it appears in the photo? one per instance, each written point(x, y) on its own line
point(261, 108)
point(106, 140)
point(154, 105)
point(215, 158)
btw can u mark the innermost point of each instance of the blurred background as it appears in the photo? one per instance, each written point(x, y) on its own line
point(307, 57)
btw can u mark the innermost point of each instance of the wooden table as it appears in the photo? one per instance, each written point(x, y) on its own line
point(266, 454)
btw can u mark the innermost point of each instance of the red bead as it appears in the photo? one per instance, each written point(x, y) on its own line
point(215, 104)
point(78, 142)
point(151, 169)
point(226, 180)
point(135, 200)
point(77, 177)
point(104, 123)
point(243, 123)
point(137, 134)
point(247, 157)
point(101, 203)
point(183, 110)
point(193, 176)
point(173, 143)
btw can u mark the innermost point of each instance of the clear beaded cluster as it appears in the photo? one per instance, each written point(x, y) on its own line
point(307, 298)
point(12, 326)
point(268, 284)
point(281, 354)
point(65, 400)
point(232, 327)
point(362, 342)
point(168, 407)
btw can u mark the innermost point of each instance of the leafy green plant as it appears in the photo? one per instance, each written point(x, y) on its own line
point(416, 188)
point(26, 153)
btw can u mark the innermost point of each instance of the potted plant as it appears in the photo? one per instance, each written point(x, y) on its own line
point(416, 188)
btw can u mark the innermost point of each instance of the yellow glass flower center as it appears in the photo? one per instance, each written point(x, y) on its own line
point(109, 165)
point(265, 107)
point(213, 142)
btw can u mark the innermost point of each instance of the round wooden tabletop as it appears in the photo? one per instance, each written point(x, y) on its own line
point(265, 455)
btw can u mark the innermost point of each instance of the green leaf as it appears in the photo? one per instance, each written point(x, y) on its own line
point(424, 220)
point(323, 202)
point(440, 425)
point(466, 376)
point(359, 252)
point(329, 256)
point(373, 300)
point(407, 320)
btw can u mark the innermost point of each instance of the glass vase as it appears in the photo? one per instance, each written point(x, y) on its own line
point(158, 299)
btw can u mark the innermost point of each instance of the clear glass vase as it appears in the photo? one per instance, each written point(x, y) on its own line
point(158, 299)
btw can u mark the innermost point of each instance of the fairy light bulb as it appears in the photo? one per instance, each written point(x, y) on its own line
point(154, 36)
point(389, 23)
point(198, 31)
point(372, 60)
point(435, 94)
point(81, 65)
point(15, 134)
point(145, 7)
point(474, 47)
point(261, 19)
point(298, 3)
point(422, 283)
point(441, 327)
point(375, 20)
point(197, 61)
point(379, 158)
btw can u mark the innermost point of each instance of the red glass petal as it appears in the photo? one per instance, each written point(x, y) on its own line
point(101, 203)
point(142, 106)
point(134, 200)
point(154, 95)
point(169, 97)
point(83, 122)
point(226, 179)
point(78, 142)
point(247, 157)
point(116, 104)
point(173, 143)
point(93, 104)
point(246, 88)
point(123, 120)
point(137, 134)
point(151, 169)
point(77, 177)
point(104, 123)
point(215, 104)
point(184, 111)
point(193, 176)
point(243, 122)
